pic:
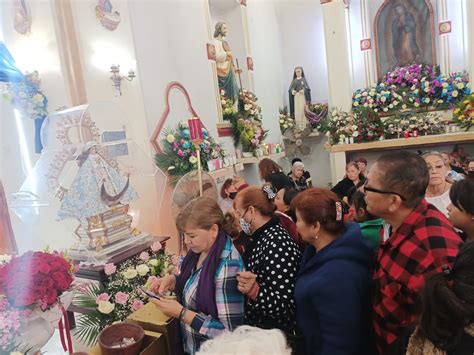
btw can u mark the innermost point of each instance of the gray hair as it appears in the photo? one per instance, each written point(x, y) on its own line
point(247, 340)
point(432, 152)
point(218, 29)
point(298, 164)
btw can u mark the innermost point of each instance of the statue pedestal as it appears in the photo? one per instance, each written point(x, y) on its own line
point(110, 251)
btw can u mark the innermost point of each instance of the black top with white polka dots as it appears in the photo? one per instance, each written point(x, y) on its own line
point(274, 257)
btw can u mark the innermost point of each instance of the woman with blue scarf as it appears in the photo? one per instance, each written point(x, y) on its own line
point(208, 301)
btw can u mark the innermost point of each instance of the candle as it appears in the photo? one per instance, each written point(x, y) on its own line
point(351, 140)
point(415, 133)
point(195, 128)
point(406, 134)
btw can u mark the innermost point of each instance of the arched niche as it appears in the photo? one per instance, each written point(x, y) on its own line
point(404, 33)
point(234, 14)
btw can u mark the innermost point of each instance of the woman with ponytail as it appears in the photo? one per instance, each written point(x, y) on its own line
point(271, 259)
point(208, 301)
point(446, 324)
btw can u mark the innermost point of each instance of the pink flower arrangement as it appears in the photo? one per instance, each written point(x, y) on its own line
point(10, 323)
point(103, 297)
point(413, 86)
point(136, 305)
point(144, 256)
point(156, 246)
point(109, 269)
point(121, 297)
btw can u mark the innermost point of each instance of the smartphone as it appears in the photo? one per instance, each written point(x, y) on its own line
point(149, 293)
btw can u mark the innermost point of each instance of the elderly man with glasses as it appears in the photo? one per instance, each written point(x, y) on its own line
point(421, 240)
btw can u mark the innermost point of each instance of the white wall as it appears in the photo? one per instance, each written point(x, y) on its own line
point(301, 36)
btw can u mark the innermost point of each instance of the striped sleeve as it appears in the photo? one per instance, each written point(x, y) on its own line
point(229, 300)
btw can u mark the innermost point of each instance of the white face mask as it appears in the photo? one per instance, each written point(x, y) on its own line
point(246, 228)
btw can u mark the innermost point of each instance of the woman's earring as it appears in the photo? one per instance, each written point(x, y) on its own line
point(316, 236)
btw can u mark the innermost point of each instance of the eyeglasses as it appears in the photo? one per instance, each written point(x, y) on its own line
point(372, 189)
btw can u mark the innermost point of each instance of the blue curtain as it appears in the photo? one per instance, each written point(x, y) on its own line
point(8, 70)
point(10, 73)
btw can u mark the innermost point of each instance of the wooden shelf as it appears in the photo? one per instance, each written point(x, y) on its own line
point(458, 137)
point(225, 172)
point(256, 160)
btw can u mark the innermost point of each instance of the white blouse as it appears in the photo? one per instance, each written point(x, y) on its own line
point(441, 202)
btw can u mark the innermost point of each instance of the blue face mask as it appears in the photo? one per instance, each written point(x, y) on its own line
point(246, 228)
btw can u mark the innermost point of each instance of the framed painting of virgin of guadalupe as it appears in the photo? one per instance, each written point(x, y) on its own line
point(404, 34)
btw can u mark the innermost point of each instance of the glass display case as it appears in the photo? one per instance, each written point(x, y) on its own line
point(88, 189)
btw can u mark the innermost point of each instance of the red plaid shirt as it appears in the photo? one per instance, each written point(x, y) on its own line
point(423, 243)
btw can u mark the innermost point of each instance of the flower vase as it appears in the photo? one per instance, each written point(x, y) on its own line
point(247, 154)
point(39, 327)
point(35, 333)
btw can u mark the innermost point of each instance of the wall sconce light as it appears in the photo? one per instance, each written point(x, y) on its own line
point(117, 78)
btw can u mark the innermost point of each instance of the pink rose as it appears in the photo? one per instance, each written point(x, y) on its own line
point(137, 304)
point(109, 269)
point(156, 246)
point(102, 297)
point(121, 297)
point(152, 282)
point(144, 256)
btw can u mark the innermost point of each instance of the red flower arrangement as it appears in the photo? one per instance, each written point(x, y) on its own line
point(36, 279)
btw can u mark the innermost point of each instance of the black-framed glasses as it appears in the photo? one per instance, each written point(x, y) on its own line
point(372, 189)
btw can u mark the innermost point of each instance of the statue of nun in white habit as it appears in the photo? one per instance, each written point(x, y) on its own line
point(300, 95)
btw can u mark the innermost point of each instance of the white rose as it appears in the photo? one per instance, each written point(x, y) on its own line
point(142, 269)
point(153, 262)
point(282, 121)
point(383, 99)
point(356, 103)
point(404, 106)
point(105, 307)
point(355, 134)
point(5, 258)
point(130, 273)
point(385, 109)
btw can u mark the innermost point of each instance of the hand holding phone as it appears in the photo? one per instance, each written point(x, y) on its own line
point(149, 293)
